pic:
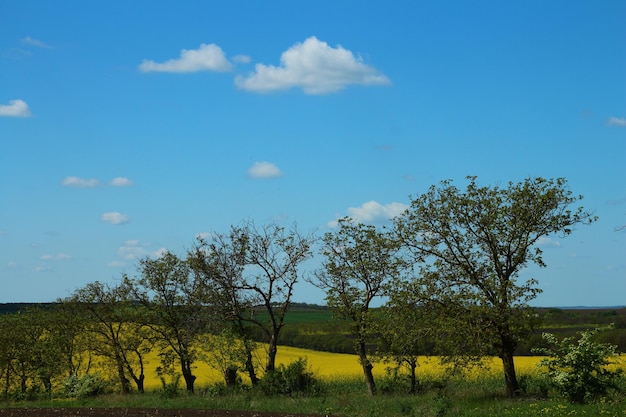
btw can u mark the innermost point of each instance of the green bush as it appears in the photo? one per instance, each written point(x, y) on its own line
point(295, 378)
point(89, 385)
point(578, 368)
point(170, 389)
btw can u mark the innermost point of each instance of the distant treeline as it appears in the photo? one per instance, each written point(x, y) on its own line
point(334, 336)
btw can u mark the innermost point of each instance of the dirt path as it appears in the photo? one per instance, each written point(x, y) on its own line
point(134, 412)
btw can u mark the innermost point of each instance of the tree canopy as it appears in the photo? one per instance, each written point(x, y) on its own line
point(470, 245)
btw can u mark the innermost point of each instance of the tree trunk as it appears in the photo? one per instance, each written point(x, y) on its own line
point(510, 378)
point(122, 375)
point(47, 383)
point(190, 378)
point(271, 353)
point(367, 368)
point(7, 381)
point(250, 367)
point(230, 376)
point(139, 382)
point(249, 345)
point(414, 384)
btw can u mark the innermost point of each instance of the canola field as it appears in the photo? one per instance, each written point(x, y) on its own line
point(331, 366)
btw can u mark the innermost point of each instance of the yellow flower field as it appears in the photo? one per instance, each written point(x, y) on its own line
point(330, 366)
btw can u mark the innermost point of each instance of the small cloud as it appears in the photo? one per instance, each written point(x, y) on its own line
point(11, 264)
point(616, 121)
point(547, 242)
point(115, 217)
point(35, 42)
point(206, 58)
point(373, 212)
point(120, 182)
point(15, 108)
point(313, 66)
point(80, 182)
point(264, 170)
point(116, 264)
point(57, 257)
point(203, 235)
point(134, 249)
point(241, 59)
point(43, 268)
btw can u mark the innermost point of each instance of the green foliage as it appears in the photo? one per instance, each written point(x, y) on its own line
point(170, 389)
point(89, 385)
point(226, 353)
point(293, 379)
point(579, 369)
point(358, 261)
point(469, 247)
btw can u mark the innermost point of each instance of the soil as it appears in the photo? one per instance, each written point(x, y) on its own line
point(134, 412)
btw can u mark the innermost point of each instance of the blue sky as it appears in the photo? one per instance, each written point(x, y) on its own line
point(127, 128)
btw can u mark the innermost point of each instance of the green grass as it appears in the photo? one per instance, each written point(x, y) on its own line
point(348, 398)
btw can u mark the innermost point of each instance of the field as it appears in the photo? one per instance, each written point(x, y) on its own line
point(336, 366)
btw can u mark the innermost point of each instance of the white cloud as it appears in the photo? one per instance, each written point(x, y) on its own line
point(35, 42)
point(115, 217)
point(43, 268)
point(121, 182)
point(15, 108)
point(616, 121)
point(116, 264)
point(203, 235)
point(134, 249)
point(264, 170)
point(11, 264)
point(57, 257)
point(80, 182)
point(315, 67)
point(206, 58)
point(374, 212)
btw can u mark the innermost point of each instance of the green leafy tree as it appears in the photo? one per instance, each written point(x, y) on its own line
point(176, 309)
point(470, 246)
point(115, 332)
point(358, 260)
point(31, 351)
point(579, 369)
point(406, 330)
point(227, 353)
point(68, 326)
point(220, 261)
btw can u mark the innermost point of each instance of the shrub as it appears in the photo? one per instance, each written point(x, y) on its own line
point(578, 369)
point(291, 379)
point(89, 385)
point(170, 389)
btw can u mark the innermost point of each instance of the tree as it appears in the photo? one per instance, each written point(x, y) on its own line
point(227, 353)
point(177, 310)
point(471, 245)
point(271, 256)
point(116, 334)
point(220, 261)
point(406, 330)
point(358, 260)
point(31, 351)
